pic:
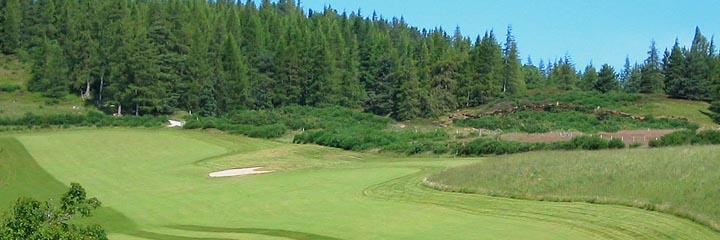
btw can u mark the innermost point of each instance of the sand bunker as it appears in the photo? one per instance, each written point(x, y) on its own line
point(238, 172)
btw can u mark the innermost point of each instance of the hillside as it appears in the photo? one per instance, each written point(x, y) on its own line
point(16, 100)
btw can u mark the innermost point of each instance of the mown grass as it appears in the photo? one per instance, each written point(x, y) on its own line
point(20, 175)
point(680, 180)
point(158, 180)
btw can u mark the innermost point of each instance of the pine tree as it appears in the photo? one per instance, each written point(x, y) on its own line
point(652, 79)
point(48, 73)
point(674, 66)
point(606, 80)
point(512, 78)
point(411, 94)
point(589, 78)
point(12, 19)
point(625, 75)
point(233, 83)
point(534, 77)
point(563, 75)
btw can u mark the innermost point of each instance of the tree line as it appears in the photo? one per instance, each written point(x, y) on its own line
point(215, 57)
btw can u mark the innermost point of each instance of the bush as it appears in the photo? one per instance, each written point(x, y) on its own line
point(90, 119)
point(616, 144)
point(532, 121)
point(636, 145)
point(9, 88)
point(683, 137)
point(589, 143)
point(708, 137)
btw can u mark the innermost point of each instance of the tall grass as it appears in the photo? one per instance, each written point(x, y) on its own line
point(677, 180)
point(532, 121)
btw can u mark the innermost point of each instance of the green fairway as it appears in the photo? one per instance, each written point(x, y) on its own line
point(154, 184)
point(679, 180)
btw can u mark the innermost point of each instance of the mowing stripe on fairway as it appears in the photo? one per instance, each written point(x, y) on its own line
point(152, 176)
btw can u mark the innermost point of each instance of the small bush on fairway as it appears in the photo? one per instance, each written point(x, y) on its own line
point(32, 219)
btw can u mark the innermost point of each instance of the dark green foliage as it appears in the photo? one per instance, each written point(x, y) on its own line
point(8, 88)
point(606, 80)
point(563, 76)
point(715, 111)
point(589, 79)
point(687, 137)
point(692, 74)
point(89, 119)
point(532, 121)
point(513, 81)
point(635, 145)
point(11, 28)
point(499, 147)
point(708, 137)
point(216, 57)
point(684, 137)
point(616, 144)
point(651, 80)
point(32, 219)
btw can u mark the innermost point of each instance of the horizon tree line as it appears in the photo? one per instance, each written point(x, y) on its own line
point(215, 57)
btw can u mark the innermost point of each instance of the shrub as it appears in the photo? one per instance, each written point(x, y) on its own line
point(9, 88)
point(636, 145)
point(616, 144)
point(683, 137)
point(708, 137)
point(589, 143)
point(532, 121)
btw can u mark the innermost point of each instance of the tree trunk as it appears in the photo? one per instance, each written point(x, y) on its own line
point(87, 89)
point(119, 111)
point(100, 92)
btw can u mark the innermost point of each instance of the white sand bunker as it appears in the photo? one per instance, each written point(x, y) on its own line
point(238, 172)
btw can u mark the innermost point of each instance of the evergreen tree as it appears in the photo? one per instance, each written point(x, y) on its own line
point(652, 79)
point(674, 66)
point(49, 71)
point(625, 75)
point(534, 77)
point(232, 85)
point(563, 75)
point(606, 80)
point(12, 20)
point(589, 78)
point(512, 78)
point(411, 94)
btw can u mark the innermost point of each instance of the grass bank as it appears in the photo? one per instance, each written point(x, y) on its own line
point(678, 180)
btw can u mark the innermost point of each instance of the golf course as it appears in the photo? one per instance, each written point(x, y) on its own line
point(154, 184)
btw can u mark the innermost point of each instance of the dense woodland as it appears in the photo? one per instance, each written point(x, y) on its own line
point(214, 57)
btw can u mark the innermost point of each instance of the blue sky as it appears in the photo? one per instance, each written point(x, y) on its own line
point(599, 31)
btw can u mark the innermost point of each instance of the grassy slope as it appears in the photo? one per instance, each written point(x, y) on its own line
point(158, 178)
point(682, 180)
point(666, 107)
point(20, 175)
point(16, 104)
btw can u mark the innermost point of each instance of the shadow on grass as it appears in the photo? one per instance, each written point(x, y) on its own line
point(259, 231)
point(22, 176)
